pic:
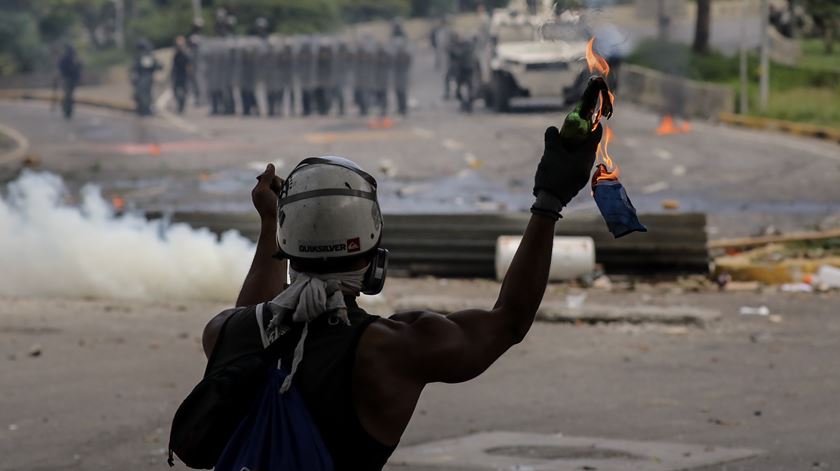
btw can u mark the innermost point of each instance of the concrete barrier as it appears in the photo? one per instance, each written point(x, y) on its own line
point(681, 9)
point(789, 127)
point(464, 245)
point(671, 94)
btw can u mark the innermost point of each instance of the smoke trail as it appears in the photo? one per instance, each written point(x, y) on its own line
point(50, 248)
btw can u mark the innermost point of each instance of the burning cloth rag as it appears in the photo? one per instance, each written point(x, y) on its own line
point(616, 209)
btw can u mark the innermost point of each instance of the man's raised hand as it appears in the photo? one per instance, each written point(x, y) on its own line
point(265, 194)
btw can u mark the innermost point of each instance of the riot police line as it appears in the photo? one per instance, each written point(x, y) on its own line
point(300, 75)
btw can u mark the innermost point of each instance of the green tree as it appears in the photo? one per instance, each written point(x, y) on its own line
point(703, 26)
point(288, 16)
point(363, 10)
point(826, 15)
point(20, 43)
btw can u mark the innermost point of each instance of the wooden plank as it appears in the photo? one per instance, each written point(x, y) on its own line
point(773, 239)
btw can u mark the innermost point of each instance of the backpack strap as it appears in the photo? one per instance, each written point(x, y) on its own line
point(260, 323)
point(273, 350)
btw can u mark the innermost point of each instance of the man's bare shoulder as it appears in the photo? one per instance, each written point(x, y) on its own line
point(408, 335)
point(214, 328)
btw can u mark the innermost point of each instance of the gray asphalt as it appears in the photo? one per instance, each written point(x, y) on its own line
point(440, 160)
point(109, 375)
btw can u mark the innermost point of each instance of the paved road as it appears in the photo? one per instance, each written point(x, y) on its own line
point(439, 159)
point(110, 375)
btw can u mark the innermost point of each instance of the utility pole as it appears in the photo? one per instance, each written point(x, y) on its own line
point(119, 23)
point(196, 5)
point(764, 83)
point(664, 20)
point(744, 93)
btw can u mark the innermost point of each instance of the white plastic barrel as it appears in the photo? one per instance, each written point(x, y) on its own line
point(572, 257)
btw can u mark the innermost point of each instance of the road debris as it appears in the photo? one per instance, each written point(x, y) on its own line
point(754, 311)
point(35, 351)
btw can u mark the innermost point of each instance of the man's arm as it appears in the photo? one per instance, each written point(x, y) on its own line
point(267, 276)
point(461, 346)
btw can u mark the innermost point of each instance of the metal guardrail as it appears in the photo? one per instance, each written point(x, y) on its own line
point(464, 245)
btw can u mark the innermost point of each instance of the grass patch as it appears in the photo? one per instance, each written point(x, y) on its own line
point(814, 56)
point(105, 58)
point(809, 93)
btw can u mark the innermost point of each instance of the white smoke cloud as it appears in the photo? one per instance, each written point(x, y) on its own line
point(52, 249)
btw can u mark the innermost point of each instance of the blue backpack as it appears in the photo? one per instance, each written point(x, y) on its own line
point(237, 419)
point(278, 434)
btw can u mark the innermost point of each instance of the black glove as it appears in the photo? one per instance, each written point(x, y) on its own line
point(564, 170)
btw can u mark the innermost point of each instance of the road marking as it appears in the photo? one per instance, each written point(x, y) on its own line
point(531, 451)
point(662, 154)
point(180, 123)
point(655, 188)
point(21, 142)
point(472, 161)
point(423, 132)
point(452, 144)
point(358, 136)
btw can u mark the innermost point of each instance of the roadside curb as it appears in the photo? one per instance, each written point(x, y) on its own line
point(554, 311)
point(21, 147)
point(97, 102)
point(789, 127)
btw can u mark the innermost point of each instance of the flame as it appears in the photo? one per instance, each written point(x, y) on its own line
point(608, 169)
point(596, 63)
point(118, 203)
point(668, 126)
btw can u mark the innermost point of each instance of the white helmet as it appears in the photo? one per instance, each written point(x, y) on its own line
point(328, 209)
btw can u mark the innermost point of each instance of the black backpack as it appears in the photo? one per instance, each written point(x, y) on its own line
point(208, 417)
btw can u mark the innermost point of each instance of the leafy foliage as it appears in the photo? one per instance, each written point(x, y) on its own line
point(20, 44)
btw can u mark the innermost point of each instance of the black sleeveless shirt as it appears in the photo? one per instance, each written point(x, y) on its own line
point(324, 379)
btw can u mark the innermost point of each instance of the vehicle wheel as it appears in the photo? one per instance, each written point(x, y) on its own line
point(501, 94)
point(487, 93)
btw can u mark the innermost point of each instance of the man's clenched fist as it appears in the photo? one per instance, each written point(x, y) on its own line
point(565, 166)
point(265, 194)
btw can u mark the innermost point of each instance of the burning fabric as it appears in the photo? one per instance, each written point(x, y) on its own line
point(598, 102)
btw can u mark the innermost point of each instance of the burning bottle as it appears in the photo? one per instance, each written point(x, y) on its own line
point(611, 197)
point(597, 102)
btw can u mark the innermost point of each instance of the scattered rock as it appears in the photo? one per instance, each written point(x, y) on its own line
point(754, 311)
point(602, 282)
point(13, 427)
point(742, 286)
point(35, 351)
point(670, 204)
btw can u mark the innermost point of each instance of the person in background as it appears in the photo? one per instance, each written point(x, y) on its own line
point(382, 77)
point(142, 77)
point(197, 86)
point(248, 69)
point(305, 71)
point(70, 73)
point(402, 74)
point(363, 73)
point(343, 71)
point(182, 68)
